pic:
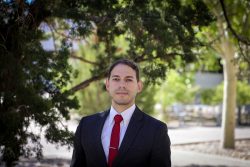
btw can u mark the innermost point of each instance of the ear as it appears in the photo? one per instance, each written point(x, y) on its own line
point(140, 86)
point(107, 84)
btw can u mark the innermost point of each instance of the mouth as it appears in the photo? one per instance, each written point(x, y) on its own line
point(122, 93)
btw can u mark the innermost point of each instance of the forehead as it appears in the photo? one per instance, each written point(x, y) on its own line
point(123, 71)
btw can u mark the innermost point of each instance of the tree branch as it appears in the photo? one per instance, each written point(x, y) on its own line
point(242, 53)
point(239, 38)
point(68, 36)
point(53, 35)
point(86, 83)
point(73, 56)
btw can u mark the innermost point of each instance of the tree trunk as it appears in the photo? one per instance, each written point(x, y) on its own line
point(229, 94)
point(226, 48)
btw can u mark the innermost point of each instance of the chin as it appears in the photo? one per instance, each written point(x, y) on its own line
point(120, 102)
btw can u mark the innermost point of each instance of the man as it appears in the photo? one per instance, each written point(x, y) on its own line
point(122, 136)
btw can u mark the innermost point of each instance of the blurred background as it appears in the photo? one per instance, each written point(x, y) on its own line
point(194, 62)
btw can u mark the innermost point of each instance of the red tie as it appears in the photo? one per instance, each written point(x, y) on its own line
point(114, 141)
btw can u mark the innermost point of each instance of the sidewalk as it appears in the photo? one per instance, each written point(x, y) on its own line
point(185, 135)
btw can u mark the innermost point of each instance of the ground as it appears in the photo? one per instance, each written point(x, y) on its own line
point(241, 151)
point(204, 139)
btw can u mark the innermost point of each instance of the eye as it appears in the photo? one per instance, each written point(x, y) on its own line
point(115, 79)
point(129, 80)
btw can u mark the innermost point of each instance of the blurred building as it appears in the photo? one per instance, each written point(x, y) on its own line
point(207, 80)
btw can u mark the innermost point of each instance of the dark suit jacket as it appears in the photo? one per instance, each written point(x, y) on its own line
point(145, 144)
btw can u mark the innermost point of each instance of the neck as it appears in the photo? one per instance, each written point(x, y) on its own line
point(121, 108)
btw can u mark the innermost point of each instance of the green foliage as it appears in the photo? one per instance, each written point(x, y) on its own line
point(212, 96)
point(146, 100)
point(32, 88)
point(243, 96)
point(152, 30)
point(178, 87)
point(154, 72)
point(208, 61)
point(93, 99)
point(215, 96)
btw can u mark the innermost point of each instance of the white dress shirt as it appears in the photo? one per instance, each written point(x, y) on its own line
point(109, 123)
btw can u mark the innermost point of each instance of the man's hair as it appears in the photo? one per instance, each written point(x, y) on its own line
point(127, 62)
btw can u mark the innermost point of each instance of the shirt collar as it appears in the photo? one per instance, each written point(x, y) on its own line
point(126, 114)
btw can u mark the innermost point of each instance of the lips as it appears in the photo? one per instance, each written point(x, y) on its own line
point(123, 93)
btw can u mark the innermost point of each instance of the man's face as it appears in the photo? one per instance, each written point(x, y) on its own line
point(123, 85)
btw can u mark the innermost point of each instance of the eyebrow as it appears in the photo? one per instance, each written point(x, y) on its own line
point(114, 76)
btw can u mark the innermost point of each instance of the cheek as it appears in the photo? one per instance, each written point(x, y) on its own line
point(133, 89)
point(112, 88)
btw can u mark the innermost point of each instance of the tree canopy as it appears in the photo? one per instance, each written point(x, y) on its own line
point(34, 81)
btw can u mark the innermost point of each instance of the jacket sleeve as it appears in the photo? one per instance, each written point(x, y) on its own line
point(161, 153)
point(78, 157)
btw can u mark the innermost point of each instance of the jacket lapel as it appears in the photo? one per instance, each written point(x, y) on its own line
point(134, 126)
point(99, 152)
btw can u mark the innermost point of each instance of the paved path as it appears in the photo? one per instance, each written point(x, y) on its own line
point(200, 134)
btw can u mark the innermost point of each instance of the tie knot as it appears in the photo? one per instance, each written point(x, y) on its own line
point(118, 118)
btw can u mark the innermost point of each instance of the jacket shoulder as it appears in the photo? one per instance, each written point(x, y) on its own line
point(94, 117)
point(155, 123)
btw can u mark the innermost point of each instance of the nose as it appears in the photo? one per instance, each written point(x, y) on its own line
point(122, 84)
